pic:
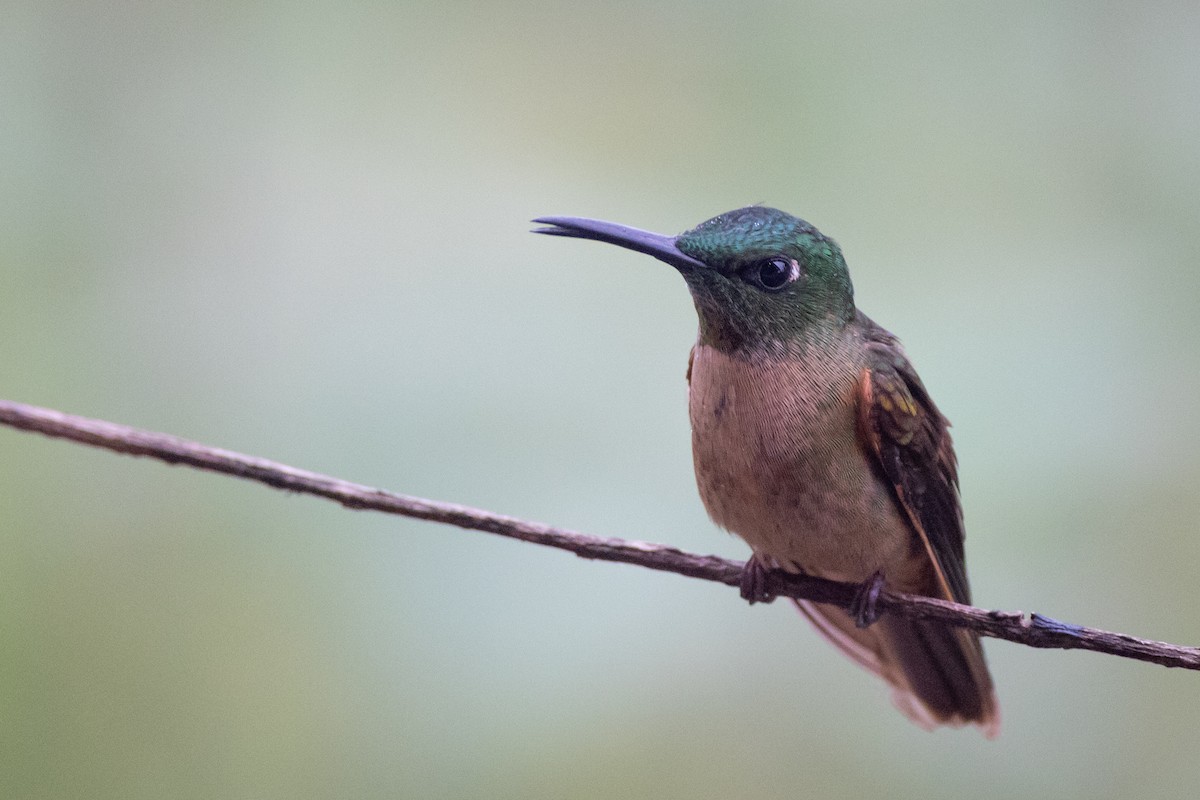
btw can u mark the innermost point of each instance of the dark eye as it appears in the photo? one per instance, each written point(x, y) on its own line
point(772, 274)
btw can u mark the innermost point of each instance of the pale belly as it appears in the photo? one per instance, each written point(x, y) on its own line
point(778, 463)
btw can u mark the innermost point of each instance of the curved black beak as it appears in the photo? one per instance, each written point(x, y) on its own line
point(652, 244)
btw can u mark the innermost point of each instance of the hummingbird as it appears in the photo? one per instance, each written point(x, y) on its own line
point(814, 440)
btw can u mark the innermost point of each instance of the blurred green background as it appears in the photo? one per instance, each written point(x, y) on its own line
point(300, 231)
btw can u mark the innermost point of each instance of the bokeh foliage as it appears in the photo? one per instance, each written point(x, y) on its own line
point(300, 231)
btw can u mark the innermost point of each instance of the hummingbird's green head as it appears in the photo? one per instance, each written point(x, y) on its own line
point(759, 277)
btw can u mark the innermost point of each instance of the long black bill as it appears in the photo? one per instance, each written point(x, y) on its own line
point(652, 244)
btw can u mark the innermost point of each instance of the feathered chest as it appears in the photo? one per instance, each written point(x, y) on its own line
point(778, 460)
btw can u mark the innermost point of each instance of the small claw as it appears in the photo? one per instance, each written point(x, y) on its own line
point(754, 581)
point(863, 608)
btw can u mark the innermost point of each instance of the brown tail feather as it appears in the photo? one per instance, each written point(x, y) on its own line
point(938, 674)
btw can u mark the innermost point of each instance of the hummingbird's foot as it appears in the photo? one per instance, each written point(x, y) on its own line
point(754, 581)
point(863, 607)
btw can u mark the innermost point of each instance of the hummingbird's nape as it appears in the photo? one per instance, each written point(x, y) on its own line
point(814, 440)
